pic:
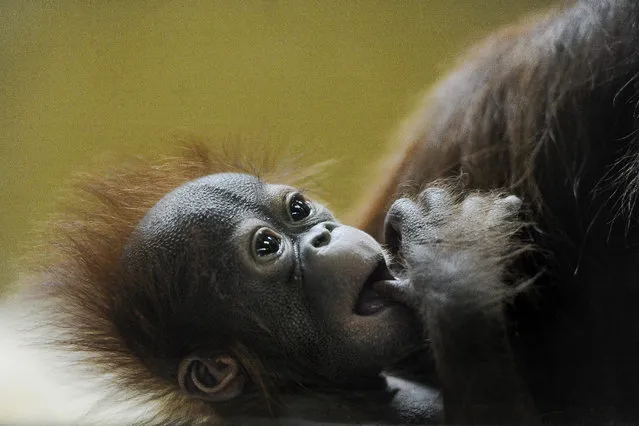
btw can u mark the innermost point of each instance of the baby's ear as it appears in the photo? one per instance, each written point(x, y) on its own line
point(218, 379)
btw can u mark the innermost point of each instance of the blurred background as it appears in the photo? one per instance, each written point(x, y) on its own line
point(82, 82)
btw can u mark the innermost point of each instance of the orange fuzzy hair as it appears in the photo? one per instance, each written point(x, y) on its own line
point(78, 280)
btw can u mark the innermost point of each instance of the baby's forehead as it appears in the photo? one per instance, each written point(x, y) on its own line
point(231, 187)
point(216, 196)
point(227, 193)
point(202, 211)
point(211, 206)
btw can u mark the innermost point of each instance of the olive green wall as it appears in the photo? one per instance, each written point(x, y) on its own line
point(83, 80)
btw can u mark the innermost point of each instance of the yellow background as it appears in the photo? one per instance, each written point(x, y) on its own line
point(81, 81)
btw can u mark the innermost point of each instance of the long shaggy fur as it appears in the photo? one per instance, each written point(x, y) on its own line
point(548, 111)
point(523, 112)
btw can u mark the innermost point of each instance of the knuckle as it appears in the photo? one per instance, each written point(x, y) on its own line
point(401, 209)
point(475, 203)
point(508, 206)
point(395, 212)
point(512, 203)
point(435, 197)
point(403, 215)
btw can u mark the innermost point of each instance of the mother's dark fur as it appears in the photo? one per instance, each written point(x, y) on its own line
point(550, 112)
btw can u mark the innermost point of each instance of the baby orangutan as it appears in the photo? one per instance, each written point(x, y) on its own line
point(240, 301)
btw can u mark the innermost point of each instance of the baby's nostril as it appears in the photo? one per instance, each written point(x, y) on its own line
point(322, 239)
point(330, 226)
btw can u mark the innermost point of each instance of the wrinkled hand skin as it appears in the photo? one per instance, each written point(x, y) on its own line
point(451, 255)
point(438, 240)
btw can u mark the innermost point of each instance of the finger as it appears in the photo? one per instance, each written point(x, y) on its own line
point(438, 199)
point(403, 216)
point(505, 208)
point(476, 205)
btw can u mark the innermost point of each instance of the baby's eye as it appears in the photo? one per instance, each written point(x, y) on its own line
point(298, 207)
point(267, 243)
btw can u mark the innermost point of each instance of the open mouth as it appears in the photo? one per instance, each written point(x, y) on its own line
point(370, 302)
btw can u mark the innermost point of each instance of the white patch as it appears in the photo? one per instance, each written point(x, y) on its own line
point(40, 386)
